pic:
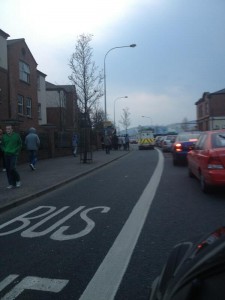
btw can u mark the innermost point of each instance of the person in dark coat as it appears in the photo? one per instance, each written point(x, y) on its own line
point(32, 143)
point(107, 142)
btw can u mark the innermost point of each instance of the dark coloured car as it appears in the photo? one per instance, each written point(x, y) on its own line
point(184, 143)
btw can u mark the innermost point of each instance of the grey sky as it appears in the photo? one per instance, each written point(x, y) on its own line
point(180, 49)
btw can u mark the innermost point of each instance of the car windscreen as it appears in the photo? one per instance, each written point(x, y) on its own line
point(218, 140)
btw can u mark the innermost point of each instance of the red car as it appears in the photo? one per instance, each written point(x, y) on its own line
point(207, 160)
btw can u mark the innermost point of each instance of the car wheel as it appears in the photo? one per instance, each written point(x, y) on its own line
point(204, 186)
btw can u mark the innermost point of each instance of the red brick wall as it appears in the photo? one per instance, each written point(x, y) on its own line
point(217, 105)
point(53, 116)
point(70, 111)
point(3, 95)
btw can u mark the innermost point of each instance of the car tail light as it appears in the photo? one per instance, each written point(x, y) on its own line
point(215, 163)
point(178, 147)
point(212, 238)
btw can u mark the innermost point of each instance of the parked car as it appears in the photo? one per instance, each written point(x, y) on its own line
point(158, 140)
point(167, 143)
point(207, 160)
point(183, 144)
point(133, 141)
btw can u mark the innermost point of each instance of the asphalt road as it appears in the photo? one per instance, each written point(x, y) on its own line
point(106, 235)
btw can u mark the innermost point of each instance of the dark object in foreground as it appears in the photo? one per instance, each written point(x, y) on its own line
point(194, 271)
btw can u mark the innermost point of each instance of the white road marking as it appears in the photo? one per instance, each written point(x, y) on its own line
point(9, 279)
point(26, 220)
point(60, 236)
point(60, 233)
point(38, 284)
point(107, 278)
point(31, 233)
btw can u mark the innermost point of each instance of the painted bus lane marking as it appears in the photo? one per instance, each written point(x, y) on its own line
point(31, 283)
point(56, 231)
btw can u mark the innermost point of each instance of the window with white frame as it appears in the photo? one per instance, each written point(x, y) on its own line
point(28, 107)
point(24, 71)
point(20, 101)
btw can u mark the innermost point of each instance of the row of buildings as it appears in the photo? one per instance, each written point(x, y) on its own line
point(26, 98)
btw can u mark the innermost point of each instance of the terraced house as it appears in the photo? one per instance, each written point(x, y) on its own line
point(26, 100)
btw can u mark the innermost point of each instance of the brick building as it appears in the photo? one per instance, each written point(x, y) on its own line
point(26, 100)
point(210, 110)
point(22, 74)
point(62, 110)
point(4, 107)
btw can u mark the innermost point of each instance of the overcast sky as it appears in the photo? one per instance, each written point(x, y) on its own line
point(180, 51)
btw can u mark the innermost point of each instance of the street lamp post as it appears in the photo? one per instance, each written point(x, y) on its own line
point(115, 107)
point(132, 46)
point(147, 118)
point(150, 119)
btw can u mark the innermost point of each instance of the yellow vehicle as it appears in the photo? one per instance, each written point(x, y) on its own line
point(146, 140)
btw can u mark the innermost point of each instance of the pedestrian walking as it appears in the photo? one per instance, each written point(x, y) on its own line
point(120, 142)
point(107, 142)
point(32, 143)
point(75, 144)
point(127, 142)
point(123, 142)
point(2, 158)
point(12, 145)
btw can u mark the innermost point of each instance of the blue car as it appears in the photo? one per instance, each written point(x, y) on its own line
point(184, 143)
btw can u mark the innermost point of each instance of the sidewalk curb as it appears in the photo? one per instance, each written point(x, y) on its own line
point(25, 199)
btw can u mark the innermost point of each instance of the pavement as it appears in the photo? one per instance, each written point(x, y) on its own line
point(49, 175)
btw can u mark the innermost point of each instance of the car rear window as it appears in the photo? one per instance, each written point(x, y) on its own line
point(218, 140)
point(170, 137)
point(188, 137)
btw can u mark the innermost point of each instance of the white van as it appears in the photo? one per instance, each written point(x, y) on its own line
point(146, 140)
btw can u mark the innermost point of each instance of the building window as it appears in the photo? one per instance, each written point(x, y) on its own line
point(39, 111)
point(20, 104)
point(28, 107)
point(24, 72)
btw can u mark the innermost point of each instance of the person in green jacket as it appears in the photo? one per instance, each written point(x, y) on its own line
point(12, 145)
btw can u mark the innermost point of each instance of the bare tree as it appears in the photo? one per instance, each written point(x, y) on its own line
point(88, 83)
point(125, 118)
point(85, 75)
point(97, 118)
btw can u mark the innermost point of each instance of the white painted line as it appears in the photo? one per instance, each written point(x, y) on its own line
point(38, 284)
point(7, 281)
point(107, 278)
